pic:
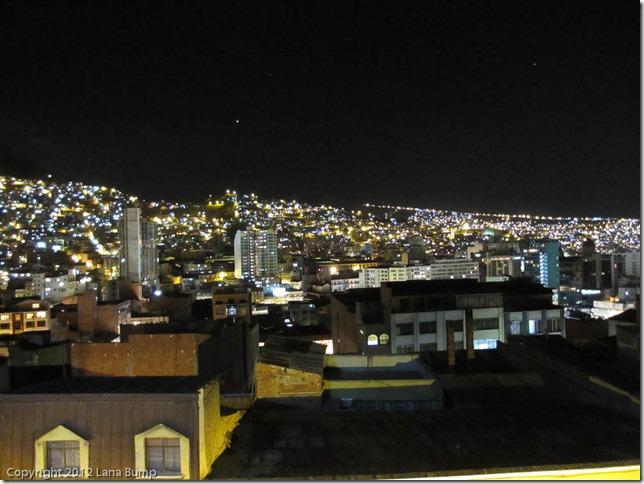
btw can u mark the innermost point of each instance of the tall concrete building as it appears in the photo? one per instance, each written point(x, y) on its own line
point(549, 264)
point(255, 254)
point(139, 262)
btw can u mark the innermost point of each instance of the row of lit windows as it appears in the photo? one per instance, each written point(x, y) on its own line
point(17, 316)
point(375, 340)
point(29, 325)
point(429, 327)
point(479, 344)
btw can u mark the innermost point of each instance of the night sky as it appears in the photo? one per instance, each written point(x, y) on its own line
point(494, 106)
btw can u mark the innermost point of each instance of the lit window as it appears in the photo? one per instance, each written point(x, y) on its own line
point(384, 339)
point(484, 344)
point(372, 340)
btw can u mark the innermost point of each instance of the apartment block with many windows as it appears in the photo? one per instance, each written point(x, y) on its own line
point(415, 316)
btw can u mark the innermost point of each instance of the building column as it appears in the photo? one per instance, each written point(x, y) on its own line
point(469, 333)
point(451, 352)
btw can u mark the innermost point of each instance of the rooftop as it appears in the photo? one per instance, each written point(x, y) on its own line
point(497, 418)
point(275, 441)
point(139, 384)
point(293, 353)
point(466, 286)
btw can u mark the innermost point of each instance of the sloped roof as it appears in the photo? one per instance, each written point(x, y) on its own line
point(136, 385)
point(628, 316)
point(293, 353)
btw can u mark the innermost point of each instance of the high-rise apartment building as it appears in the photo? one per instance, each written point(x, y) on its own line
point(138, 248)
point(255, 254)
point(549, 264)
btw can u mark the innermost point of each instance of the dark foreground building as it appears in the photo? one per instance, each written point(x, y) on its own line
point(506, 412)
point(113, 428)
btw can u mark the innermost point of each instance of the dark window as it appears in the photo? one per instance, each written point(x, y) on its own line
point(405, 329)
point(5, 326)
point(456, 323)
point(405, 305)
point(554, 325)
point(428, 346)
point(425, 327)
point(163, 455)
point(29, 324)
point(486, 323)
point(418, 304)
point(63, 454)
point(405, 349)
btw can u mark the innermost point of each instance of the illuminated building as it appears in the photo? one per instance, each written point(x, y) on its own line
point(447, 315)
point(26, 316)
point(255, 254)
point(504, 265)
point(138, 248)
point(454, 269)
point(549, 264)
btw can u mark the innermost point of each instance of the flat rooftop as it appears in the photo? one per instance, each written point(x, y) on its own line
point(275, 441)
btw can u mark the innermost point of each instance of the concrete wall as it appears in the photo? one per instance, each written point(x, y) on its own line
point(344, 330)
point(367, 361)
point(214, 429)
point(4, 374)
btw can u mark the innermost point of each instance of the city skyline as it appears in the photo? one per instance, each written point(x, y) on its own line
point(495, 107)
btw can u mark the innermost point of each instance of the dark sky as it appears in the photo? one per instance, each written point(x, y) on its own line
point(497, 106)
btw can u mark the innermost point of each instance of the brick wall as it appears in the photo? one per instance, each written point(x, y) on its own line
point(142, 355)
point(276, 382)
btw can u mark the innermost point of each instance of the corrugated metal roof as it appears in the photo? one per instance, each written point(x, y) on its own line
point(293, 353)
